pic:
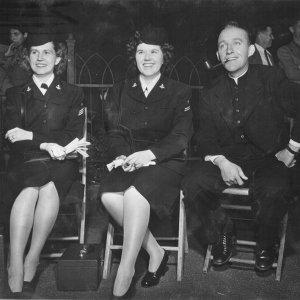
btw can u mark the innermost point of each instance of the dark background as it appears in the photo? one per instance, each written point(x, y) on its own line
point(105, 25)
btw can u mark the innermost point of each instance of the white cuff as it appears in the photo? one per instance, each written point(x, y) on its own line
point(295, 144)
point(211, 158)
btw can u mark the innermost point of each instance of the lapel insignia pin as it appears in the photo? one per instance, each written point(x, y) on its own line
point(58, 87)
point(162, 86)
point(28, 89)
point(134, 85)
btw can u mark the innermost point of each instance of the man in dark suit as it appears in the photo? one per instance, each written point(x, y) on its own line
point(263, 38)
point(244, 141)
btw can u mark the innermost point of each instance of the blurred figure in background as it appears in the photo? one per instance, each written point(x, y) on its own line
point(14, 58)
point(289, 55)
point(263, 37)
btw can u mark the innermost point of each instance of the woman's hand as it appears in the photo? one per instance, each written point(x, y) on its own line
point(18, 134)
point(137, 160)
point(55, 151)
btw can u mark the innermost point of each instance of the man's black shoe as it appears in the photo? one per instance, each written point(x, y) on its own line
point(265, 258)
point(222, 251)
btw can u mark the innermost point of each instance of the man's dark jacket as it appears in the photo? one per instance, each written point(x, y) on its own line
point(248, 120)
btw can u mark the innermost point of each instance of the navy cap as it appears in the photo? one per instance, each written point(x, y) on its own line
point(41, 37)
point(153, 35)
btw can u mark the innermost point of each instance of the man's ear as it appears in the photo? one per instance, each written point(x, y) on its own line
point(218, 56)
point(25, 35)
point(251, 50)
point(291, 29)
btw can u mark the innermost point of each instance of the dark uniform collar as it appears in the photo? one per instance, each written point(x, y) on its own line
point(56, 85)
point(135, 90)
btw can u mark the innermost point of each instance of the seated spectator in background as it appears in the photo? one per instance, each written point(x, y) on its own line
point(244, 141)
point(289, 55)
point(263, 38)
point(5, 82)
point(14, 58)
point(149, 126)
point(42, 116)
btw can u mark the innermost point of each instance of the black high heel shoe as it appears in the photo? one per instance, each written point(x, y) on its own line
point(14, 295)
point(129, 294)
point(152, 278)
point(30, 286)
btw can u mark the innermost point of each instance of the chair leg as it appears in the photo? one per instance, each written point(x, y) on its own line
point(108, 251)
point(186, 242)
point(207, 259)
point(281, 247)
point(181, 241)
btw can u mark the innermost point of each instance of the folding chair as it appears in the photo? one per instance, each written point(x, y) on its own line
point(181, 240)
point(246, 243)
point(74, 210)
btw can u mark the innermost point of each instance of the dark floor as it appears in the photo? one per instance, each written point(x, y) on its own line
point(227, 283)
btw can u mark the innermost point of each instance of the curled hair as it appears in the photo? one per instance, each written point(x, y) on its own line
point(61, 51)
point(166, 48)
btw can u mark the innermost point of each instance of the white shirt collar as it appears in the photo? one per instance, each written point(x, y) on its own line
point(236, 78)
point(150, 85)
point(38, 82)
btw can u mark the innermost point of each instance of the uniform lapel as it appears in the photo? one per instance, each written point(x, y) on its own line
point(159, 91)
point(134, 90)
point(54, 93)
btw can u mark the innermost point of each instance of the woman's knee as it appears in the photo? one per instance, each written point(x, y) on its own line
point(133, 194)
point(48, 190)
point(108, 198)
point(104, 198)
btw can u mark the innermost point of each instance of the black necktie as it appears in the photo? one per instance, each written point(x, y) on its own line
point(146, 92)
point(44, 86)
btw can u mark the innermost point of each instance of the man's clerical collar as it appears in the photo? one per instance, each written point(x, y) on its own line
point(237, 77)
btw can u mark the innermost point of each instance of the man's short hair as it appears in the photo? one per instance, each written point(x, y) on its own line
point(256, 30)
point(236, 24)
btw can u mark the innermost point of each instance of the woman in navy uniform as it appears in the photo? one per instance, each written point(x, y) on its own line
point(42, 117)
point(149, 121)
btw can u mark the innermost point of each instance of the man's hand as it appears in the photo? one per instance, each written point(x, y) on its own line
point(286, 157)
point(137, 160)
point(55, 151)
point(231, 173)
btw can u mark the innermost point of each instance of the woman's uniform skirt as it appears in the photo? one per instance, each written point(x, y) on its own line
point(159, 185)
point(40, 172)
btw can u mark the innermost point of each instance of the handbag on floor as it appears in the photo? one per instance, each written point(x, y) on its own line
point(79, 268)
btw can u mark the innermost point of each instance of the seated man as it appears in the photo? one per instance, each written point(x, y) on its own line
point(263, 38)
point(244, 141)
point(289, 55)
